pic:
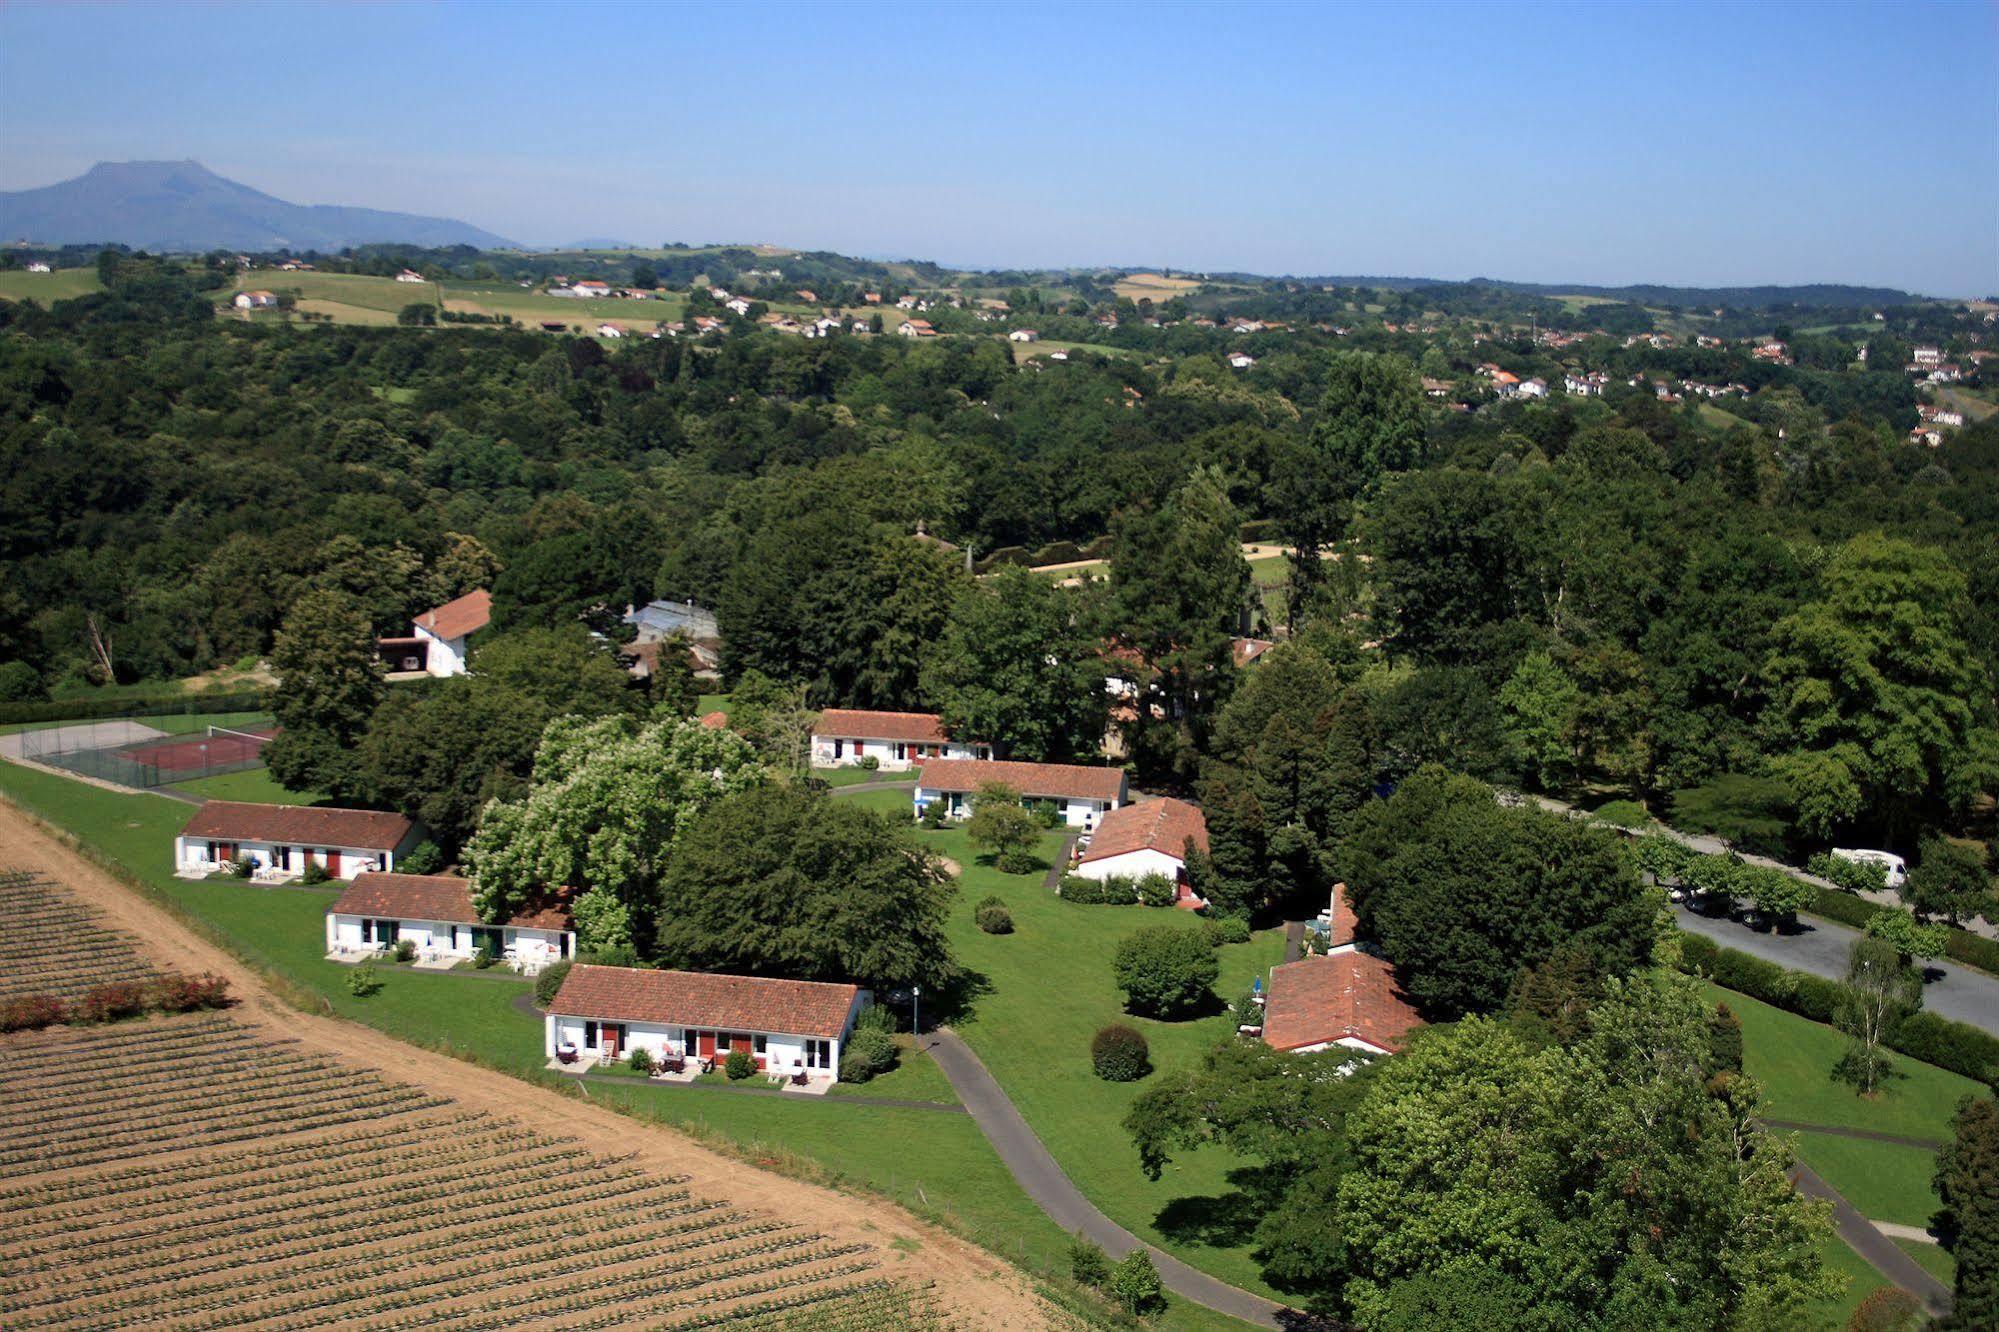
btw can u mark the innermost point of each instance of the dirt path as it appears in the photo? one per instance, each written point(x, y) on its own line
point(973, 1284)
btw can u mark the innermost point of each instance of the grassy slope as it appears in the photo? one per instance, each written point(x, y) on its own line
point(44, 289)
point(937, 1164)
point(1885, 1181)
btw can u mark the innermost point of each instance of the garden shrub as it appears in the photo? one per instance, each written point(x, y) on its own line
point(876, 1017)
point(112, 1001)
point(405, 950)
point(1228, 930)
point(1156, 890)
point(314, 873)
point(994, 920)
point(1887, 1309)
point(868, 762)
point(640, 1059)
point(1134, 1283)
point(869, 1051)
point(31, 1012)
point(1165, 970)
point(240, 868)
point(934, 815)
point(1622, 814)
point(739, 1065)
point(485, 957)
point(363, 980)
point(550, 981)
point(21, 683)
point(1120, 1054)
point(1049, 817)
point(425, 859)
point(1114, 891)
point(1088, 1263)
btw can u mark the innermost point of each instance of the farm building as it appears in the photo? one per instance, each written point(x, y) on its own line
point(1346, 997)
point(281, 840)
point(1022, 335)
point(443, 631)
point(916, 328)
point(609, 331)
point(662, 619)
point(409, 276)
point(1081, 795)
point(39, 267)
point(844, 736)
point(255, 300)
point(435, 912)
point(790, 1028)
point(1148, 838)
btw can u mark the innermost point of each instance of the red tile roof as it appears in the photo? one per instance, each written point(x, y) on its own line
point(1156, 825)
point(924, 727)
point(1323, 999)
point(699, 999)
point(455, 619)
point(715, 721)
point(444, 898)
point(1061, 780)
point(299, 825)
point(1246, 650)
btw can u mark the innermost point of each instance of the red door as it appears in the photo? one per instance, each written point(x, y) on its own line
point(333, 863)
point(707, 1045)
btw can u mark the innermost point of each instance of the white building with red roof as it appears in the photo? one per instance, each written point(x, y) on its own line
point(1150, 837)
point(1080, 795)
point(435, 912)
point(281, 840)
point(1346, 997)
point(443, 631)
point(842, 737)
point(793, 1029)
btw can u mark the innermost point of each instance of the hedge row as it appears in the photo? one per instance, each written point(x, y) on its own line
point(1973, 950)
point(1957, 1046)
point(163, 705)
point(171, 993)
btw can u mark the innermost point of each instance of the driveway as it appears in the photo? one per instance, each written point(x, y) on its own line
point(1821, 948)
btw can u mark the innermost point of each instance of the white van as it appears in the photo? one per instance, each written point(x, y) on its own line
point(1898, 873)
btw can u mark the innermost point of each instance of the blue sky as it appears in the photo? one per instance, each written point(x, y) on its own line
point(1695, 144)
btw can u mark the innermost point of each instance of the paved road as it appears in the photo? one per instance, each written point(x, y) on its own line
point(1821, 948)
point(1042, 1179)
point(1880, 1252)
point(1059, 866)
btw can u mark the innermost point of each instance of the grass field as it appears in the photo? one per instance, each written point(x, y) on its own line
point(254, 785)
point(1153, 287)
point(838, 777)
point(44, 289)
point(1885, 1181)
point(938, 1164)
point(1932, 1258)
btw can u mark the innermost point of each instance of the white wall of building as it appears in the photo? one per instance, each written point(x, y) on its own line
point(1075, 813)
point(443, 656)
point(783, 1052)
point(1133, 865)
point(893, 755)
point(531, 949)
point(201, 855)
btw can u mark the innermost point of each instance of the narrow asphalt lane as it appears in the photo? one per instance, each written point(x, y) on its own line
point(1821, 947)
point(1881, 1253)
point(1042, 1179)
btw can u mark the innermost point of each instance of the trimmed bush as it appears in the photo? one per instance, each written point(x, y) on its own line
point(1156, 890)
point(1887, 1309)
point(868, 762)
point(176, 993)
point(363, 981)
point(869, 1051)
point(640, 1060)
point(1117, 890)
point(739, 1065)
point(994, 920)
point(550, 981)
point(1622, 814)
point(1120, 1054)
point(1226, 930)
point(1165, 971)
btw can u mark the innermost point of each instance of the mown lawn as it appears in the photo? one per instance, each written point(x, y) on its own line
point(1861, 1281)
point(253, 784)
point(1885, 1181)
point(1040, 993)
point(1934, 1259)
point(837, 777)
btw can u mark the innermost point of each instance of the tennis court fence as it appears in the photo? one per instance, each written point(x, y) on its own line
point(150, 751)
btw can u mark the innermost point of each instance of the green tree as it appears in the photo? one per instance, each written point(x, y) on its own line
point(1967, 1180)
point(442, 753)
point(1134, 1283)
point(1880, 986)
point(560, 667)
point(1016, 668)
point(1462, 893)
point(779, 881)
point(1369, 422)
point(607, 801)
point(1540, 703)
point(1909, 937)
point(1000, 825)
point(329, 681)
point(1165, 971)
point(1949, 881)
point(1777, 896)
point(773, 717)
point(1474, 1152)
point(1874, 687)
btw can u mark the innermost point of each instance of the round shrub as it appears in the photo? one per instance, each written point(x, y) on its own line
point(363, 981)
point(425, 859)
point(869, 1051)
point(549, 981)
point(640, 1059)
point(1120, 1054)
point(405, 950)
point(1165, 971)
point(995, 920)
point(313, 873)
point(1227, 930)
point(739, 1065)
point(20, 683)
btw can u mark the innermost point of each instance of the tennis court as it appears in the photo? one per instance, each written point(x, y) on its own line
point(128, 752)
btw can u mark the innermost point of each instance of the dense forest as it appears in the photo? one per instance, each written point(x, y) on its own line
point(1777, 612)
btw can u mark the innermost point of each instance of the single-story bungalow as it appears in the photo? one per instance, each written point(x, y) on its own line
point(844, 736)
point(435, 912)
point(1081, 795)
point(281, 840)
point(255, 300)
point(1153, 837)
point(789, 1027)
point(1346, 997)
point(443, 631)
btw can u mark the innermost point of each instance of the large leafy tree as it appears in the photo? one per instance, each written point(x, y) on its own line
point(1967, 1180)
point(1016, 667)
point(563, 668)
point(441, 753)
point(607, 801)
point(778, 881)
point(1876, 698)
point(1618, 1182)
point(1463, 893)
point(329, 681)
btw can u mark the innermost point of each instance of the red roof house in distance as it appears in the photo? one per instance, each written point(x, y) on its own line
point(1152, 837)
point(1345, 997)
point(1081, 795)
point(789, 1027)
point(281, 840)
point(434, 911)
point(844, 736)
point(443, 631)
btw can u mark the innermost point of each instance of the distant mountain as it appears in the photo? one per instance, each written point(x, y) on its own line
point(595, 243)
point(183, 206)
point(1812, 295)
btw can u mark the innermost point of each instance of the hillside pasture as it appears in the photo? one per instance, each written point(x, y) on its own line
point(44, 289)
point(1153, 286)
